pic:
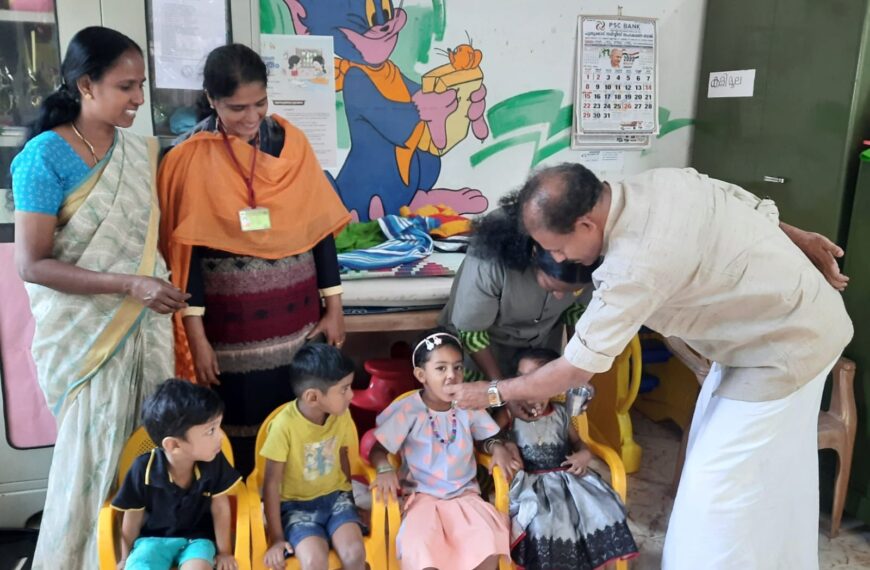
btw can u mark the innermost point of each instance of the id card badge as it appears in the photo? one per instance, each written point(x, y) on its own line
point(255, 219)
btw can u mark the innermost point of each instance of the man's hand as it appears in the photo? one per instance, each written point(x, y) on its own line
point(821, 251)
point(521, 410)
point(469, 395)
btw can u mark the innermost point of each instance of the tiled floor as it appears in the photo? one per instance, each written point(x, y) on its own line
point(650, 502)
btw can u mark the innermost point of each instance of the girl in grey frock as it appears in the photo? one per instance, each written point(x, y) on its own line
point(563, 515)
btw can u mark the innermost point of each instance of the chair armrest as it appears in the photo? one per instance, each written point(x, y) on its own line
point(106, 537)
point(393, 517)
point(259, 543)
point(618, 479)
point(242, 549)
point(634, 361)
point(502, 489)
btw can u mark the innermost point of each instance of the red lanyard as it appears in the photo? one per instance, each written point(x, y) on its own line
point(249, 180)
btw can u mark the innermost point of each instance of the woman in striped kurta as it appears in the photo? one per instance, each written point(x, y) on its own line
point(257, 293)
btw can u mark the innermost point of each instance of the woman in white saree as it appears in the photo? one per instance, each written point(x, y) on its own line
point(86, 225)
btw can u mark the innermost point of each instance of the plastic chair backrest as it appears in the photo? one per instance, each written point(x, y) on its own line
point(140, 442)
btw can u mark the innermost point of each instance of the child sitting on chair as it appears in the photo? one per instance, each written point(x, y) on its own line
point(446, 524)
point(174, 497)
point(306, 486)
point(563, 515)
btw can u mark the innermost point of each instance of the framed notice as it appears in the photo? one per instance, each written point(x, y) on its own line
point(616, 80)
point(183, 33)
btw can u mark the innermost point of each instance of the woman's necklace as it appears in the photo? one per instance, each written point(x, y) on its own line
point(87, 143)
point(438, 436)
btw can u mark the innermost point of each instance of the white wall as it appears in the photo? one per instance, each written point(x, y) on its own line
point(530, 45)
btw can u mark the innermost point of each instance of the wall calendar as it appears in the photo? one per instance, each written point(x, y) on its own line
point(616, 82)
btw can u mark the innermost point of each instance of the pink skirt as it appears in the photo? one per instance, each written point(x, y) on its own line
point(450, 534)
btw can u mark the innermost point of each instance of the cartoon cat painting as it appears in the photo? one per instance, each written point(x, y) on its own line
point(399, 129)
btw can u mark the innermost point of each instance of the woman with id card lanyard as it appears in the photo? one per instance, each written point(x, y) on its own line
point(247, 229)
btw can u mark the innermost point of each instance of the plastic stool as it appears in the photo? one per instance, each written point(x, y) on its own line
point(390, 378)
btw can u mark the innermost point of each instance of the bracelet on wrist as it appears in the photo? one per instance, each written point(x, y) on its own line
point(489, 444)
point(384, 469)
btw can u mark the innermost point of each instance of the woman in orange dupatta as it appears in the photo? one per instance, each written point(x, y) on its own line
point(248, 219)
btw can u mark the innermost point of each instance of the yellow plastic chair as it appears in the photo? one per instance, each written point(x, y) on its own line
point(501, 503)
point(375, 542)
point(618, 481)
point(615, 393)
point(679, 385)
point(109, 520)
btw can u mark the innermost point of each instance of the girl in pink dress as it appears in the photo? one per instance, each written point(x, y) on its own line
point(446, 524)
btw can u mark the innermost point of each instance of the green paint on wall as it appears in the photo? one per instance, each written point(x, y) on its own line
point(561, 143)
point(668, 125)
point(425, 25)
point(496, 148)
point(275, 18)
point(543, 109)
point(524, 110)
point(341, 122)
point(562, 121)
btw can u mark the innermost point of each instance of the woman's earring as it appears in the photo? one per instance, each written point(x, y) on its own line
point(88, 96)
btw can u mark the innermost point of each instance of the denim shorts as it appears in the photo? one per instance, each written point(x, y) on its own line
point(318, 517)
point(157, 553)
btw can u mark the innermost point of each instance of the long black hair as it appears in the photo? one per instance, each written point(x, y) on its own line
point(227, 67)
point(92, 52)
point(499, 236)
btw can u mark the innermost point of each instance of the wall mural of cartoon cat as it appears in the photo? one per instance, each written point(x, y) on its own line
point(399, 129)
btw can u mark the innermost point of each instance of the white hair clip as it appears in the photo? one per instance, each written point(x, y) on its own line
point(431, 342)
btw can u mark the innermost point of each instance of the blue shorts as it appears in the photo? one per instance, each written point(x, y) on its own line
point(157, 553)
point(318, 517)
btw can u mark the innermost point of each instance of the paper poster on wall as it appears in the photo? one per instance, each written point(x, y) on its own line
point(616, 76)
point(740, 83)
point(602, 160)
point(183, 33)
point(302, 88)
point(627, 141)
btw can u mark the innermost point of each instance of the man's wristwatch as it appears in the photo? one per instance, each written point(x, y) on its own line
point(494, 395)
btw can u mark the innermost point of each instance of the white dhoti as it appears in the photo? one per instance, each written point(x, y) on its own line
point(749, 493)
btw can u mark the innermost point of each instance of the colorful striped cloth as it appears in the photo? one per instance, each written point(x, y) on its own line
point(408, 239)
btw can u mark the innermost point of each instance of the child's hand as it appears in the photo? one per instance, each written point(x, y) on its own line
point(503, 458)
point(516, 456)
point(225, 562)
point(387, 484)
point(275, 558)
point(577, 462)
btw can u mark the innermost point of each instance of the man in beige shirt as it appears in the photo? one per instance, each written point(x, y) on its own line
point(707, 262)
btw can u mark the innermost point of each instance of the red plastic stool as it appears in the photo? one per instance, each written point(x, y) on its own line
point(390, 378)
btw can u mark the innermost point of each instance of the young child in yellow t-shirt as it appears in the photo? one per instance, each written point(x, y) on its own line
point(307, 489)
